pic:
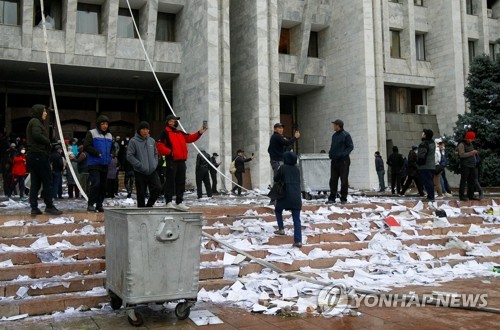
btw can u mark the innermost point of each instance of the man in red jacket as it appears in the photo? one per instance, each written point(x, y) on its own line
point(173, 145)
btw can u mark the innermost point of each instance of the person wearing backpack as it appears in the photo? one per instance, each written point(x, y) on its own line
point(412, 173)
point(426, 162)
point(239, 163)
point(292, 200)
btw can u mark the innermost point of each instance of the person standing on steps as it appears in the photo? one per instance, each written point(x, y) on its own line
point(379, 167)
point(213, 172)
point(143, 156)
point(203, 174)
point(340, 150)
point(396, 163)
point(37, 161)
point(468, 168)
point(98, 144)
point(173, 145)
point(413, 173)
point(292, 200)
point(239, 162)
point(426, 162)
point(278, 144)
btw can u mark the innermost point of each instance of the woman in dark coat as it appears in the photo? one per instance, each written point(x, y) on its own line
point(292, 200)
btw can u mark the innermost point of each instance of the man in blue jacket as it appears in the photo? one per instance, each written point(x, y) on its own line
point(340, 149)
point(143, 156)
point(98, 144)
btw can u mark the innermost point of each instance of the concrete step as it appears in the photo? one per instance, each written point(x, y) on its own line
point(33, 257)
point(46, 304)
point(74, 239)
point(86, 287)
point(53, 285)
point(44, 270)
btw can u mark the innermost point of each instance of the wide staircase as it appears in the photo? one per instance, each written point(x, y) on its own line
point(50, 264)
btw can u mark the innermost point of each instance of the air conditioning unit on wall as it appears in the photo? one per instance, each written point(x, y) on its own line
point(421, 110)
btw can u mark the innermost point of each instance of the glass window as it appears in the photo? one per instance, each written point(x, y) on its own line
point(469, 7)
point(126, 27)
point(472, 51)
point(165, 27)
point(420, 47)
point(395, 44)
point(9, 12)
point(53, 14)
point(492, 52)
point(87, 18)
point(313, 45)
point(418, 2)
point(284, 46)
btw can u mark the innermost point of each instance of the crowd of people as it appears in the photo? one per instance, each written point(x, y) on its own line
point(426, 165)
point(158, 167)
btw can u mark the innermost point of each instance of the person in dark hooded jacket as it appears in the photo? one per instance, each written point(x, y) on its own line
point(37, 161)
point(98, 144)
point(292, 200)
point(143, 156)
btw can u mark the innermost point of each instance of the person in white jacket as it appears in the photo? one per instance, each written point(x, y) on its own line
point(439, 169)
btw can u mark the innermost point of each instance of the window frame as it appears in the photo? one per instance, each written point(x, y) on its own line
point(5, 15)
point(170, 22)
point(471, 47)
point(125, 12)
point(420, 47)
point(284, 42)
point(393, 52)
point(90, 6)
point(312, 49)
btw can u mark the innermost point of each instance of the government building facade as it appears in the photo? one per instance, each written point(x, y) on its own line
point(387, 68)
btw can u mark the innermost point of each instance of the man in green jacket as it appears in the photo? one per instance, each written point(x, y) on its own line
point(37, 161)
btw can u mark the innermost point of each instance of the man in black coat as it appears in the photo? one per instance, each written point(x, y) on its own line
point(395, 162)
point(340, 150)
point(239, 162)
point(37, 161)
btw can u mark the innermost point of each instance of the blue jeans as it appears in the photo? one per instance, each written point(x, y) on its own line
point(381, 182)
point(297, 230)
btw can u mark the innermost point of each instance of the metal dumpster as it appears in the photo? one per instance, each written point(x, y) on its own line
point(152, 255)
point(314, 174)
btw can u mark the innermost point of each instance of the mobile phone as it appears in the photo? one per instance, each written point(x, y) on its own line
point(252, 153)
point(205, 124)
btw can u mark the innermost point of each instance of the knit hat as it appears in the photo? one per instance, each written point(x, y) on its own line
point(470, 136)
point(13, 145)
point(102, 119)
point(143, 124)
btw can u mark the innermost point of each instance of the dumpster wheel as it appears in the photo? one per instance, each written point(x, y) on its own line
point(116, 302)
point(182, 310)
point(135, 317)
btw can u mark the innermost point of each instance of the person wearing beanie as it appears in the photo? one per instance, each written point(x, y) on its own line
point(468, 167)
point(173, 145)
point(426, 162)
point(98, 144)
point(143, 157)
point(37, 161)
